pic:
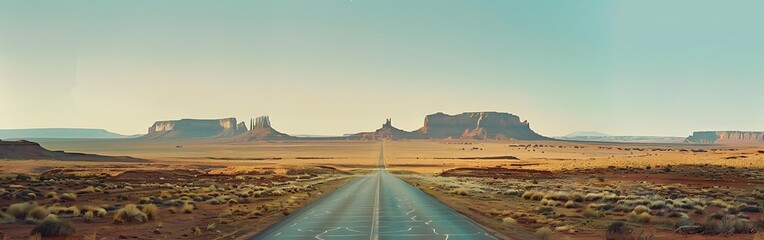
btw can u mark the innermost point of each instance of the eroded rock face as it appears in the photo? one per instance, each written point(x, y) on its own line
point(726, 137)
point(470, 125)
point(478, 125)
point(261, 130)
point(196, 128)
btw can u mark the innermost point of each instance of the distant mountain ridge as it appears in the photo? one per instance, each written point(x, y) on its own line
point(594, 136)
point(22, 149)
point(31, 133)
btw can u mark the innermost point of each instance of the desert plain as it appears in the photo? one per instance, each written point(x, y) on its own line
point(519, 189)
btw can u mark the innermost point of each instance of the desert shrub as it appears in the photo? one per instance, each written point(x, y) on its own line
point(52, 226)
point(750, 208)
point(130, 213)
point(187, 208)
point(89, 189)
point(528, 194)
point(197, 231)
point(51, 195)
point(570, 204)
point(69, 196)
point(537, 196)
point(682, 222)
point(151, 211)
point(719, 203)
point(565, 228)
point(88, 217)
point(657, 204)
point(641, 217)
point(509, 220)
point(644, 217)
point(37, 214)
point(512, 192)
point(7, 218)
point(546, 210)
point(617, 228)
point(97, 211)
point(457, 191)
point(165, 194)
point(591, 213)
point(641, 209)
point(21, 210)
point(559, 196)
point(543, 233)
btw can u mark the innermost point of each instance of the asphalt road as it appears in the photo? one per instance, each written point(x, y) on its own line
point(376, 206)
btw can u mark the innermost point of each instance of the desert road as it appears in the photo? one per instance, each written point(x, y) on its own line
point(376, 206)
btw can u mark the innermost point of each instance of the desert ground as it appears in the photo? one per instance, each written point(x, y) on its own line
point(550, 189)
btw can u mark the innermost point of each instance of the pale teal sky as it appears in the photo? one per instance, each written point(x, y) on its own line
point(642, 67)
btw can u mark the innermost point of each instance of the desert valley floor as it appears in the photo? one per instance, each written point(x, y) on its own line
point(516, 189)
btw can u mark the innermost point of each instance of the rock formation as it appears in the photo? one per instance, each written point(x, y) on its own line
point(387, 131)
point(22, 150)
point(477, 125)
point(195, 128)
point(726, 137)
point(260, 129)
point(470, 125)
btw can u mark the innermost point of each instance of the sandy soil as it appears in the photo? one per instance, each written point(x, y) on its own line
point(486, 169)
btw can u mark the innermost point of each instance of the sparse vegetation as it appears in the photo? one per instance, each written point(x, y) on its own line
point(52, 226)
point(130, 213)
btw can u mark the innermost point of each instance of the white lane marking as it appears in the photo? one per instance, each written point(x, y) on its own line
point(375, 218)
point(412, 210)
point(325, 232)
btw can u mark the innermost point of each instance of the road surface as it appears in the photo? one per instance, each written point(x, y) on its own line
point(376, 206)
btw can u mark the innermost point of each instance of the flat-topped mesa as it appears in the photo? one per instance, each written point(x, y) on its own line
point(195, 128)
point(726, 137)
point(478, 125)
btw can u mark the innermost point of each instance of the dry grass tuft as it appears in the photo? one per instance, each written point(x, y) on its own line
point(151, 211)
point(89, 189)
point(509, 220)
point(21, 210)
point(197, 231)
point(130, 213)
point(52, 226)
point(69, 196)
point(188, 208)
point(37, 214)
point(544, 233)
point(88, 217)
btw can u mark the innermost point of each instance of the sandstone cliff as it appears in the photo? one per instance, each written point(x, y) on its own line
point(261, 130)
point(470, 125)
point(477, 125)
point(387, 131)
point(195, 128)
point(726, 137)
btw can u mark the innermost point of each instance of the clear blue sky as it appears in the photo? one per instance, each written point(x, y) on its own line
point(642, 67)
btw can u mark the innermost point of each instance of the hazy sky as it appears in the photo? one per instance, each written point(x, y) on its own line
point(641, 67)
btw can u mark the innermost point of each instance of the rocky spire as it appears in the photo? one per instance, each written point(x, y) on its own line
point(388, 123)
point(262, 122)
